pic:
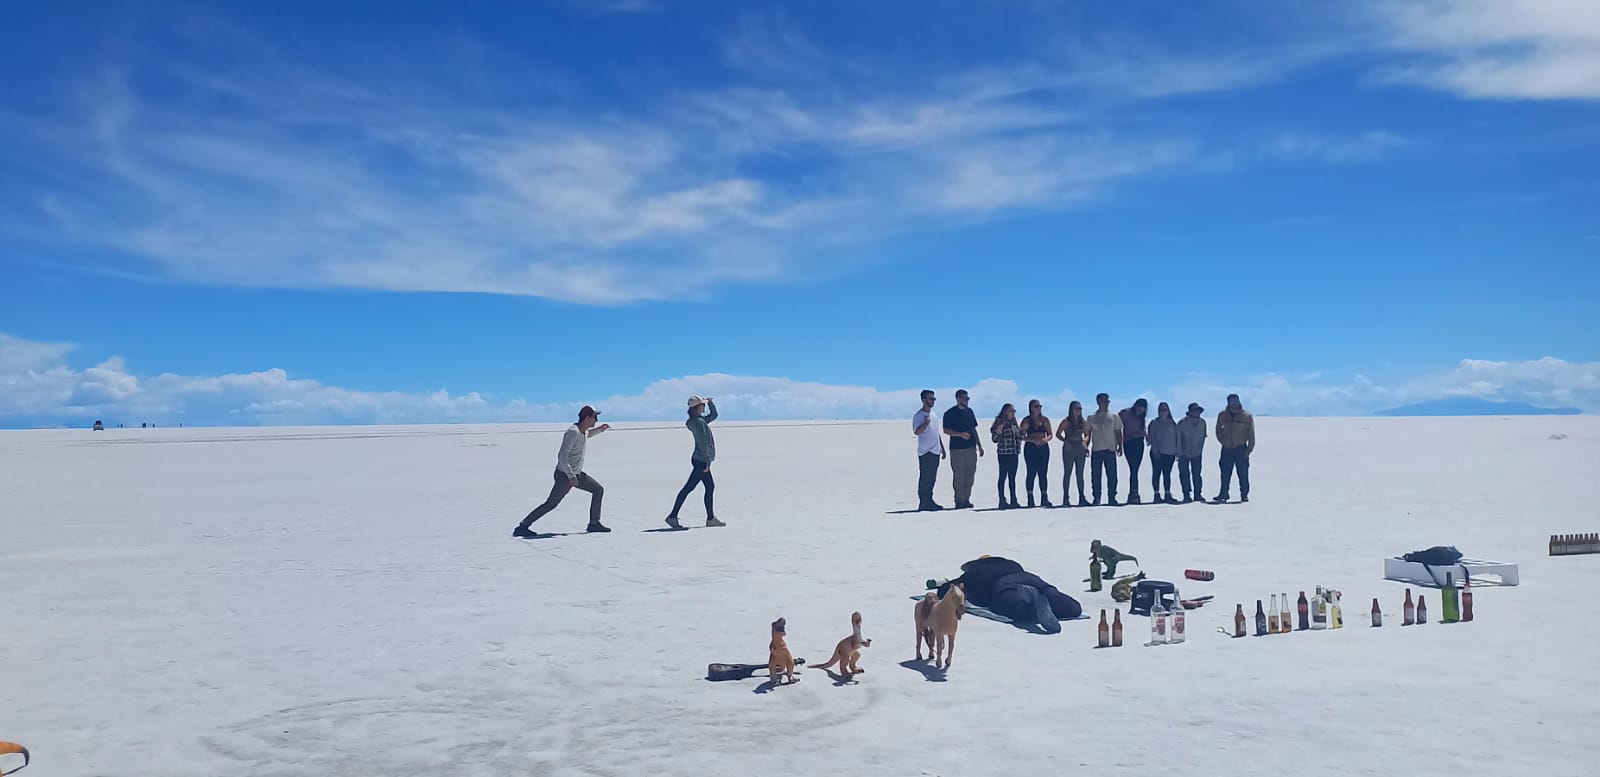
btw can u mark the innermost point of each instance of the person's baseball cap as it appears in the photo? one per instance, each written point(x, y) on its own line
point(1194, 407)
point(587, 410)
point(696, 401)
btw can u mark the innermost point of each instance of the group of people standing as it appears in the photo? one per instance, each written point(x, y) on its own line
point(1098, 440)
point(569, 472)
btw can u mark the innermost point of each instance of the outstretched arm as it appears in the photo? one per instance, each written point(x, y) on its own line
point(711, 411)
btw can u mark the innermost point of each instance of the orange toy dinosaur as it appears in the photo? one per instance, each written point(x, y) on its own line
point(848, 651)
point(13, 747)
point(779, 661)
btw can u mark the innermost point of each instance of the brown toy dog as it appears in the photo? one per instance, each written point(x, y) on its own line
point(944, 618)
point(848, 652)
point(779, 662)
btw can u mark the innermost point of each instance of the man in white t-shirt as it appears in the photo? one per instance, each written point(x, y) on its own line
point(930, 451)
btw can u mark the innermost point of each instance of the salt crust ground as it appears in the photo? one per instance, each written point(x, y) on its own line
point(347, 601)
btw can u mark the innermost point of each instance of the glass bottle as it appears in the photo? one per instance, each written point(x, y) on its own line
point(1238, 620)
point(1305, 612)
point(1410, 611)
point(1377, 614)
point(1261, 620)
point(1448, 601)
point(1105, 630)
point(1272, 615)
point(1116, 628)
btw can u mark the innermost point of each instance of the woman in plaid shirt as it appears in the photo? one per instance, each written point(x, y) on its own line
point(1007, 438)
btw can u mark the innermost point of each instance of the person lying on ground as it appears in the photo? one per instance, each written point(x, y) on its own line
point(1003, 587)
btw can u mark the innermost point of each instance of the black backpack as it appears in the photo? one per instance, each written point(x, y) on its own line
point(1436, 556)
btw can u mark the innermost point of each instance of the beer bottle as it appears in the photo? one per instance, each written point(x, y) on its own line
point(1094, 574)
point(1305, 612)
point(1410, 612)
point(1238, 620)
point(1377, 614)
point(1272, 615)
point(1422, 609)
point(1116, 628)
point(1448, 602)
point(1105, 630)
point(1261, 620)
point(1466, 600)
point(1285, 624)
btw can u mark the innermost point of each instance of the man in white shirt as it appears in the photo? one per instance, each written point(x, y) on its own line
point(1105, 445)
point(930, 451)
point(569, 474)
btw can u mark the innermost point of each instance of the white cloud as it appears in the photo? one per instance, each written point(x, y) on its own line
point(1515, 49)
point(42, 388)
point(1363, 147)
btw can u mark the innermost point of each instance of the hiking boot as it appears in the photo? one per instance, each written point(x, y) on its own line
point(1030, 501)
point(1084, 502)
point(1014, 504)
point(1244, 497)
point(1187, 499)
point(1113, 502)
point(1133, 499)
point(931, 507)
point(597, 528)
point(1043, 502)
point(524, 533)
point(1042, 614)
point(712, 521)
point(672, 521)
point(1219, 499)
point(1169, 500)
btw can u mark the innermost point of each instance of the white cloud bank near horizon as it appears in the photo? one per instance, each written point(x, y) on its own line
point(39, 387)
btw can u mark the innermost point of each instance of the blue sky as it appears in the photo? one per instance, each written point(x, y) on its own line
point(254, 213)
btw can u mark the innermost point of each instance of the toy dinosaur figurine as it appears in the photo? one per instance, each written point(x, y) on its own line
point(1108, 557)
point(780, 663)
point(849, 650)
point(9, 748)
point(1122, 590)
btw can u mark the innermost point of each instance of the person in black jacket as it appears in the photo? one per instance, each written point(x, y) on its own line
point(1005, 588)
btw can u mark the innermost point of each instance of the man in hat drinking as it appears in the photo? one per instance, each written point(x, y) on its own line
point(569, 474)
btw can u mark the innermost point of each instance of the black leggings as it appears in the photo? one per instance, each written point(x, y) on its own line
point(1133, 451)
point(1008, 475)
point(1161, 473)
point(1037, 458)
point(700, 473)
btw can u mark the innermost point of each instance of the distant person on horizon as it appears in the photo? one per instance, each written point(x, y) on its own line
point(569, 474)
point(1074, 436)
point(705, 452)
point(1105, 445)
point(1007, 437)
point(965, 448)
point(1163, 437)
point(1133, 443)
point(1236, 433)
point(1037, 433)
point(930, 451)
point(1191, 444)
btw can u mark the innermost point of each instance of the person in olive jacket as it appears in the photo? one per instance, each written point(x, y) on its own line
point(1236, 433)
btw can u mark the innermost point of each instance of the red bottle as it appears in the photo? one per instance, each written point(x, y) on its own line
point(1466, 602)
point(1305, 612)
point(1199, 574)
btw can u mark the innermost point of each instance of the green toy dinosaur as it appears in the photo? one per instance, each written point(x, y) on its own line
point(1108, 557)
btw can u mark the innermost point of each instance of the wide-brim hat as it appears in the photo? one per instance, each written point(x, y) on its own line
point(695, 400)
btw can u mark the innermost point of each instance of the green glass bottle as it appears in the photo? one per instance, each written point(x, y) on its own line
point(1094, 574)
point(1450, 599)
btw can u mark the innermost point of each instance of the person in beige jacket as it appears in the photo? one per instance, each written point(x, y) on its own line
point(1236, 433)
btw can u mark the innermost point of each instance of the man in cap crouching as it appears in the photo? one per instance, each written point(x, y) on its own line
point(569, 474)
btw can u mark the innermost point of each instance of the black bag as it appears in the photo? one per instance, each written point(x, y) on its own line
point(1436, 556)
point(1145, 593)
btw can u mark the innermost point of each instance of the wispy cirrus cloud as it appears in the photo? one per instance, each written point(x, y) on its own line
point(489, 174)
